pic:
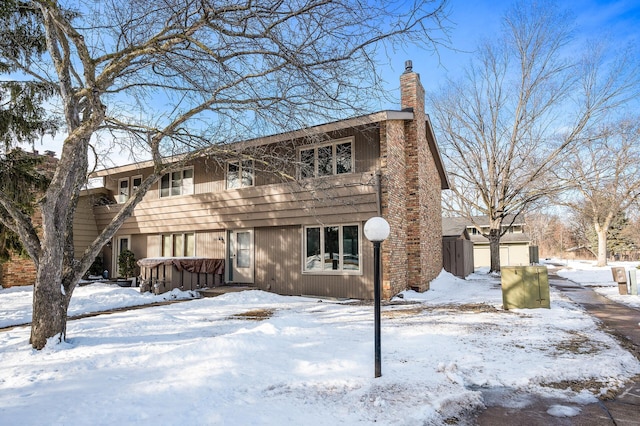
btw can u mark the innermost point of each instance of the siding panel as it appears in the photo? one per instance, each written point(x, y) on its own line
point(209, 244)
point(279, 268)
point(271, 205)
point(85, 229)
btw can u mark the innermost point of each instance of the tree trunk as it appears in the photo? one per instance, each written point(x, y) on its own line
point(55, 266)
point(602, 246)
point(494, 249)
point(49, 304)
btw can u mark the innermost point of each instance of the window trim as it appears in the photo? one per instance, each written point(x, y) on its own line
point(120, 195)
point(334, 143)
point(340, 271)
point(135, 188)
point(182, 186)
point(240, 173)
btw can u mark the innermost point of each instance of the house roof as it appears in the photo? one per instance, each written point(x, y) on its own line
point(453, 226)
point(508, 220)
point(516, 237)
point(322, 128)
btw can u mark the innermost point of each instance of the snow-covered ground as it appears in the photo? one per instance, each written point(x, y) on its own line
point(17, 302)
point(255, 358)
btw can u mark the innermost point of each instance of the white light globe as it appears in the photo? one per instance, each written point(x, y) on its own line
point(376, 229)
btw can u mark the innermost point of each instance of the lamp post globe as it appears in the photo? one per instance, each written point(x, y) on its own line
point(376, 229)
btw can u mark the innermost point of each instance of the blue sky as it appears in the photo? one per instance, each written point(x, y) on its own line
point(472, 20)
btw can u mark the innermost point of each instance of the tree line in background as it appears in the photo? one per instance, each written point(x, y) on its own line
point(572, 236)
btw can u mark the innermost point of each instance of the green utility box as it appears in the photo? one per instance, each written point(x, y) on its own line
point(525, 287)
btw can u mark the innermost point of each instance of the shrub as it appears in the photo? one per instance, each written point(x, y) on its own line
point(126, 263)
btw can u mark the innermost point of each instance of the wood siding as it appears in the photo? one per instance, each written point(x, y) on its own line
point(329, 200)
point(278, 254)
point(211, 244)
point(457, 256)
point(85, 230)
point(276, 208)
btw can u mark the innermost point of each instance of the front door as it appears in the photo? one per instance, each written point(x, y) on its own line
point(241, 256)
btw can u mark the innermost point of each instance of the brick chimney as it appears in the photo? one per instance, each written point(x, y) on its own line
point(412, 256)
point(411, 90)
point(423, 205)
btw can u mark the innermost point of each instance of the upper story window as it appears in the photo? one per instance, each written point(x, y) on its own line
point(326, 160)
point(124, 190)
point(240, 174)
point(136, 181)
point(177, 183)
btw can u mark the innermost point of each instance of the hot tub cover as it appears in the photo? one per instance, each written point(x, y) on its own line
point(200, 265)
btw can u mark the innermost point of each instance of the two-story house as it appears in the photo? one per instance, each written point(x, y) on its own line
point(302, 234)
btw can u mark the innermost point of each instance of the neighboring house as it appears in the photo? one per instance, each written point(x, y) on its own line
point(302, 235)
point(514, 244)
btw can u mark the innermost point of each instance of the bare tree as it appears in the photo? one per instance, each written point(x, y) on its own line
point(171, 74)
point(521, 103)
point(604, 173)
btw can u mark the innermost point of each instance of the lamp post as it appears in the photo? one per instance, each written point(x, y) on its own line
point(376, 230)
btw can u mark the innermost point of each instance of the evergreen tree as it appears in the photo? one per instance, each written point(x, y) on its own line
point(21, 179)
point(618, 240)
point(22, 117)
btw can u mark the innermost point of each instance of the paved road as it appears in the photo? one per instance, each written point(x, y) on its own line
point(623, 410)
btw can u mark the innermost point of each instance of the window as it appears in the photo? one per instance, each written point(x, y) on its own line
point(177, 183)
point(136, 181)
point(332, 248)
point(178, 245)
point(326, 160)
point(123, 190)
point(239, 174)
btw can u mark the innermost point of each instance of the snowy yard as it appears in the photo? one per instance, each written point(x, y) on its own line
point(262, 359)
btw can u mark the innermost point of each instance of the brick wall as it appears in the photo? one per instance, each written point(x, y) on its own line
point(20, 271)
point(430, 215)
point(17, 271)
point(394, 194)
